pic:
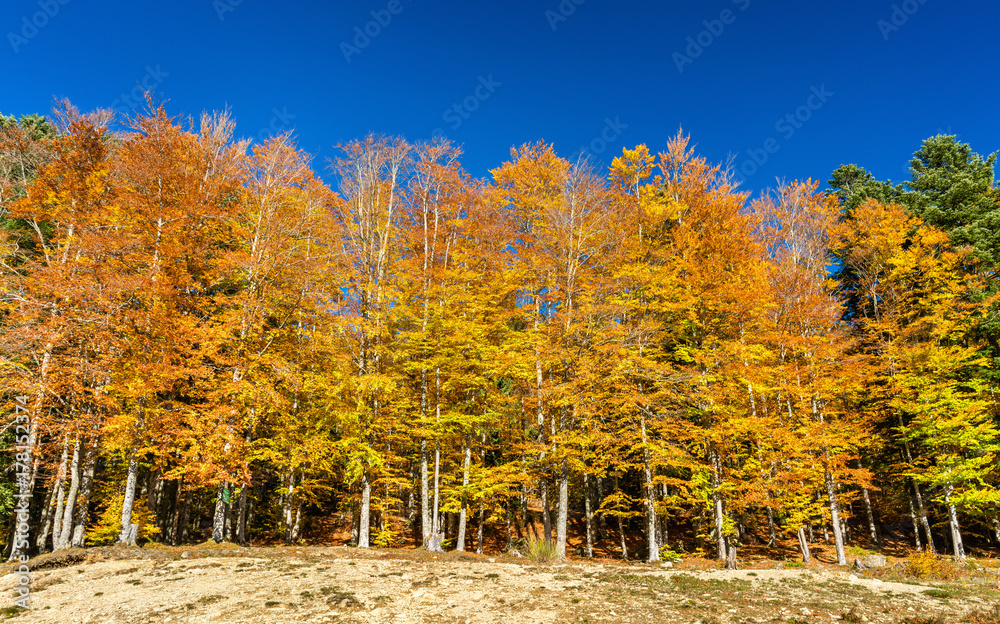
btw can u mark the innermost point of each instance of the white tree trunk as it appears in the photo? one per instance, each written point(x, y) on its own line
point(126, 536)
point(66, 533)
point(465, 484)
point(479, 530)
point(804, 545)
point(425, 516)
point(219, 517)
point(83, 506)
point(956, 530)
point(654, 548)
point(922, 514)
point(838, 535)
point(366, 506)
point(588, 514)
point(60, 496)
point(717, 508)
point(45, 522)
point(621, 531)
point(563, 509)
point(436, 518)
point(872, 530)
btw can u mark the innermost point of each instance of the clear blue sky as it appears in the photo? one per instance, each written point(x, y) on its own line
point(284, 64)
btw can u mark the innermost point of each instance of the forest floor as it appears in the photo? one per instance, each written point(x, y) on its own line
point(228, 584)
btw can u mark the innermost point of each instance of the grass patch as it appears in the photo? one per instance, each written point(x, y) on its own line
point(540, 550)
point(9, 612)
point(942, 594)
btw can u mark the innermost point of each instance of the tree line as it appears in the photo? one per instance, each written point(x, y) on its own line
point(214, 340)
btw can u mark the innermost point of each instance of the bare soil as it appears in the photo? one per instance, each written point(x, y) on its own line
point(228, 584)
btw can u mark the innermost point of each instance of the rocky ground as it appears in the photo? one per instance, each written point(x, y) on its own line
point(338, 584)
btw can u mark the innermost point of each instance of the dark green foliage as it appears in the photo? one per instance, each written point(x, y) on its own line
point(953, 191)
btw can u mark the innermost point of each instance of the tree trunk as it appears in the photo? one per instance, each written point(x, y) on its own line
point(922, 511)
point(185, 528)
point(602, 523)
point(663, 535)
point(804, 545)
point(355, 522)
point(872, 530)
point(546, 510)
point(436, 518)
point(83, 499)
point(588, 515)
point(74, 489)
point(460, 542)
point(956, 531)
point(426, 523)
point(654, 549)
point(86, 487)
point(996, 528)
point(838, 535)
point(562, 510)
point(772, 538)
point(366, 502)
point(296, 532)
point(717, 508)
point(479, 530)
point(241, 521)
point(219, 517)
point(436, 521)
point(45, 521)
point(178, 508)
point(286, 505)
point(916, 525)
point(126, 536)
point(731, 563)
point(57, 519)
point(621, 530)
point(924, 521)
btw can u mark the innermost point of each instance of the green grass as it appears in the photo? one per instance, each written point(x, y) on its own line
point(541, 550)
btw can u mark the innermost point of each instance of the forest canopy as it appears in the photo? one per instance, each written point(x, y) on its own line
point(218, 338)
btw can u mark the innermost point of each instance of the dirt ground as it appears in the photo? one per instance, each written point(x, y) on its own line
point(340, 584)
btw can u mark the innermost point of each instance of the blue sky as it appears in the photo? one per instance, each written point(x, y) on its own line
point(599, 73)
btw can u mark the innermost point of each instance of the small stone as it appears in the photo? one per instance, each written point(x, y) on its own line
point(185, 555)
point(853, 578)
